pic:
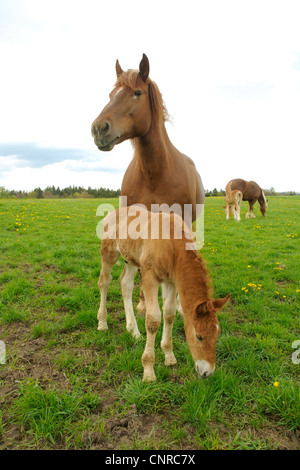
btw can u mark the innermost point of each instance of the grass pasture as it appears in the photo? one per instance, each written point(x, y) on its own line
point(65, 385)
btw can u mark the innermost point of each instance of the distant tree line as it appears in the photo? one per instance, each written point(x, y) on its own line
point(52, 192)
point(268, 192)
point(214, 192)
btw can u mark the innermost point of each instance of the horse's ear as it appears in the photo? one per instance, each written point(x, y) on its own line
point(118, 68)
point(144, 67)
point(202, 308)
point(220, 303)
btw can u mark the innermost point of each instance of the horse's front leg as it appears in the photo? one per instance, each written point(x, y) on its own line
point(169, 312)
point(153, 319)
point(251, 210)
point(127, 283)
point(248, 213)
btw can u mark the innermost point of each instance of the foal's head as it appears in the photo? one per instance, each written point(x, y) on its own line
point(202, 331)
point(133, 103)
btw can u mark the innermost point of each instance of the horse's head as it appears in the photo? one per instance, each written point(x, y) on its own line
point(128, 113)
point(202, 332)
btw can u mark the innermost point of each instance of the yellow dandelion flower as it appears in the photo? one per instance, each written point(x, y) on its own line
point(276, 384)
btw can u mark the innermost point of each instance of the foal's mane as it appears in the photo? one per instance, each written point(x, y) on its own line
point(133, 80)
point(195, 271)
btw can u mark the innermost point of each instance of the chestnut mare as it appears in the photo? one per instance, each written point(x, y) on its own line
point(163, 261)
point(251, 193)
point(158, 172)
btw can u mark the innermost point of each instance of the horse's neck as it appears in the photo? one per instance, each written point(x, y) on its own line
point(153, 150)
point(191, 279)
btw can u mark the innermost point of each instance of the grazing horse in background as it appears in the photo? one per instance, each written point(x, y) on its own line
point(158, 173)
point(251, 193)
point(233, 201)
point(164, 260)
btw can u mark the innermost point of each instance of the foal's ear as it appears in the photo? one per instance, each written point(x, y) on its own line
point(118, 68)
point(144, 67)
point(202, 308)
point(220, 303)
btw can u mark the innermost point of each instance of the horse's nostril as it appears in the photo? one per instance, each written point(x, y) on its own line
point(105, 128)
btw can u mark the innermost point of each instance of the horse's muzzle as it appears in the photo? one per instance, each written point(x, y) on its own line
point(102, 136)
point(106, 147)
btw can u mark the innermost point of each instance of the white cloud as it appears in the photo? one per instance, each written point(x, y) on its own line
point(226, 70)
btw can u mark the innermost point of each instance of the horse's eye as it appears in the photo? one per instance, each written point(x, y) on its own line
point(137, 93)
point(199, 337)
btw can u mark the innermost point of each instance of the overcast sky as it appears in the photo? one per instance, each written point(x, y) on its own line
point(229, 73)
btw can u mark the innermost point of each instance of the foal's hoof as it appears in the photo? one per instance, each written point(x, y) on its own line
point(102, 326)
point(135, 333)
point(150, 377)
point(170, 360)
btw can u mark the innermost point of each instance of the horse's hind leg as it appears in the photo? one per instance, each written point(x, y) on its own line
point(169, 312)
point(227, 211)
point(127, 283)
point(109, 256)
point(141, 307)
point(153, 318)
point(103, 283)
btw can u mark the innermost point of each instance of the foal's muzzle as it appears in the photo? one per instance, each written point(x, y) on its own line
point(204, 369)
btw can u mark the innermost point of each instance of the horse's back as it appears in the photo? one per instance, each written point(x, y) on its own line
point(250, 189)
point(237, 183)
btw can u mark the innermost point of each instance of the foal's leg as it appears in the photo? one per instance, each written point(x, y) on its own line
point(141, 306)
point(238, 212)
point(153, 318)
point(227, 211)
point(169, 312)
point(234, 211)
point(127, 283)
point(103, 283)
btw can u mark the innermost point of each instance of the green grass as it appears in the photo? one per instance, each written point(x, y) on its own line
point(67, 385)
